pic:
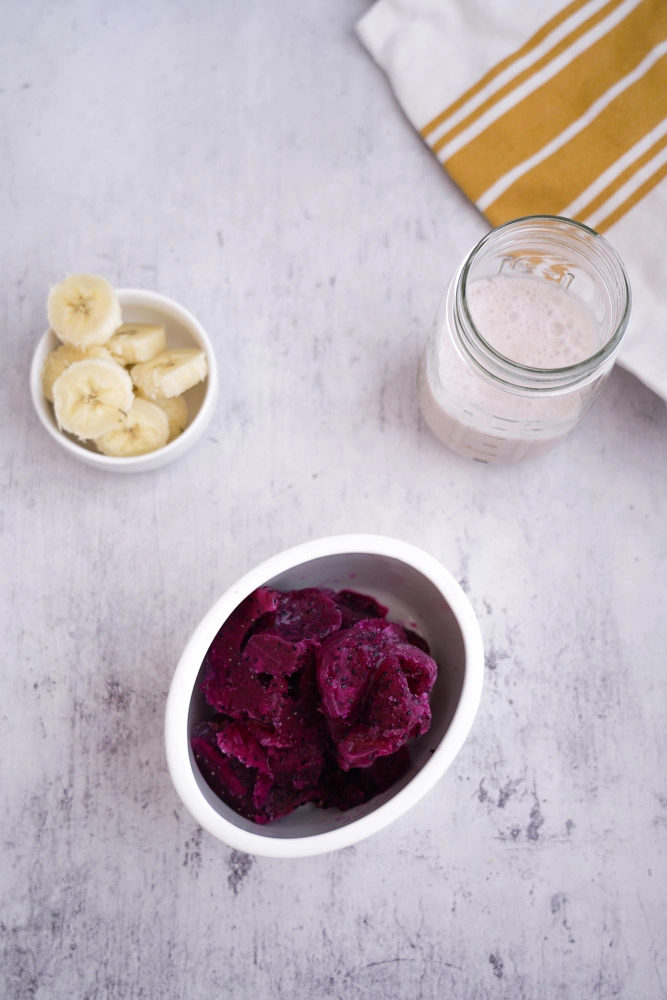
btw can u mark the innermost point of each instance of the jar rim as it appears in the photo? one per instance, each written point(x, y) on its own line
point(512, 373)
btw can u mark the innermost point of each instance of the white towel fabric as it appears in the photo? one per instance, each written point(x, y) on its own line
point(540, 108)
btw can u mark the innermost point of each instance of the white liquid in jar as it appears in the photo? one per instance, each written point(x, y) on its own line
point(533, 322)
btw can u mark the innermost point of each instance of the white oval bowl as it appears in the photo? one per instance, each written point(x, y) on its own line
point(182, 330)
point(419, 592)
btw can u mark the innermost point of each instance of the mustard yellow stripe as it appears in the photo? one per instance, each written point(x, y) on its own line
point(520, 78)
point(621, 179)
point(531, 44)
point(547, 112)
point(556, 181)
point(635, 197)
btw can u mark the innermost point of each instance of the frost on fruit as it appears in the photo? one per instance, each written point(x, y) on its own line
point(314, 697)
point(374, 685)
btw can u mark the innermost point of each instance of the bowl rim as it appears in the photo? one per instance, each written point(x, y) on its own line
point(184, 678)
point(191, 434)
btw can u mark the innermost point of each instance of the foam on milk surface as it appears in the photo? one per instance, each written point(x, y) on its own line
point(533, 322)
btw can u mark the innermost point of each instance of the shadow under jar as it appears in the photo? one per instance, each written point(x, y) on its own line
point(524, 339)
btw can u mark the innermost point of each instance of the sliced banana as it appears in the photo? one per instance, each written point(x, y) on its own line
point(145, 428)
point(91, 397)
point(177, 414)
point(170, 373)
point(57, 361)
point(135, 343)
point(83, 310)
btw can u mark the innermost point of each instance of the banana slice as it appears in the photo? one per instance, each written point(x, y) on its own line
point(57, 361)
point(177, 414)
point(170, 373)
point(134, 343)
point(83, 310)
point(145, 428)
point(91, 397)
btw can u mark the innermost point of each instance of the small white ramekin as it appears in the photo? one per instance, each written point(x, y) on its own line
point(420, 593)
point(182, 330)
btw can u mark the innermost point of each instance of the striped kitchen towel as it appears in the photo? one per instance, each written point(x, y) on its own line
point(534, 108)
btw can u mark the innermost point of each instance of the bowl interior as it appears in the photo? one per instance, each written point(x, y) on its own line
point(138, 307)
point(412, 600)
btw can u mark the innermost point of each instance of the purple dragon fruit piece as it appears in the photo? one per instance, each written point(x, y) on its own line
point(230, 779)
point(345, 789)
point(356, 607)
point(347, 661)
point(266, 653)
point(302, 614)
point(242, 695)
point(374, 686)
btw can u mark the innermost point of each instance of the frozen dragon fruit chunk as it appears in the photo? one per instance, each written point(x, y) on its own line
point(281, 776)
point(283, 639)
point(302, 614)
point(356, 607)
point(230, 638)
point(361, 745)
point(242, 688)
point(298, 764)
point(391, 717)
point(266, 653)
point(258, 782)
point(228, 777)
point(299, 716)
point(242, 741)
point(272, 801)
point(345, 789)
point(374, 686)
point(232, 689)
point(346, 663)
point(419, 668)
point(391, 704)
point(415, 639)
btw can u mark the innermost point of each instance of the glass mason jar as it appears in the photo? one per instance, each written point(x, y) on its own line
point(524, 339)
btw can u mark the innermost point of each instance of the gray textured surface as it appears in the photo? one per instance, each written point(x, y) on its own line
point(248, 160)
